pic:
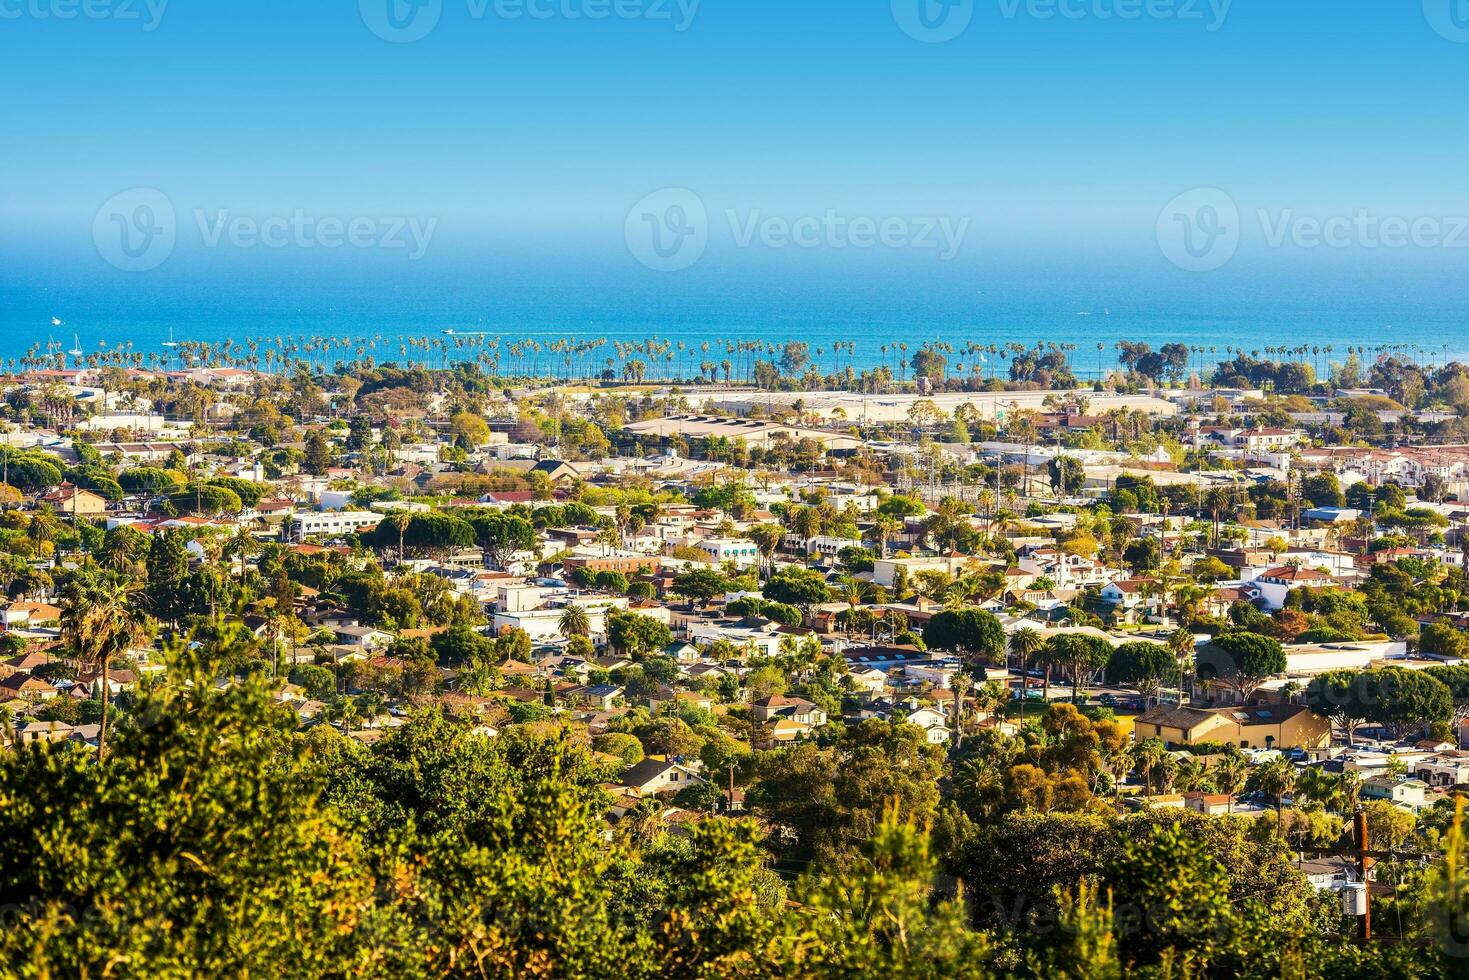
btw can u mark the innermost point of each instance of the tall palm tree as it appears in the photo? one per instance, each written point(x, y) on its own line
point(767, 538)
point(1275, 779)
point(1148, 757)
point(1230, 774)
point(1184, 648)
point(885, 526)
point(99, 622)
point(575, 622)
point(849, 587)
point(1349, 790)
point(1025, 644)
point(346, 711)
point(399, 520)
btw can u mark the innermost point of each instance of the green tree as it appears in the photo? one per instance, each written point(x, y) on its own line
point(1345, 696)
point(99, 624)
point(502, 536)
point(636, 636)
point(318, 457)
point(801, 587)
point(701, 584)
point(1146, 666)
point(1241, 660)
point(973, 633)
point(168, 567)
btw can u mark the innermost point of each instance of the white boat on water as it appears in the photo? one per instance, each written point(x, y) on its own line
point(170, 342)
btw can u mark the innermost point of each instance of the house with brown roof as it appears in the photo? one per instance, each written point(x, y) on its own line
point(1274, 584)
point(787, 718)
point(69, 501)
point(1249, 726)
point(26, 687)
point(1210, 804)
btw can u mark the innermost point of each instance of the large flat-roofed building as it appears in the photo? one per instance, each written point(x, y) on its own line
point(755, 432)
point(858, 408)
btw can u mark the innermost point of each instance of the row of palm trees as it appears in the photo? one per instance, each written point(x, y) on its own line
point(647, 359)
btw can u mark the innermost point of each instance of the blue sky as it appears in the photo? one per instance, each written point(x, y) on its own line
point(527, 141)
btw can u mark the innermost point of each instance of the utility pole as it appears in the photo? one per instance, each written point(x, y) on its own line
point(1364, 868)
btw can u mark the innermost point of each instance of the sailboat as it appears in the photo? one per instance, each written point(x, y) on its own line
point(170, 342)
point(76, 347)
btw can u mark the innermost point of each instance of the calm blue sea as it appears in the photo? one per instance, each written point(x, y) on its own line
point(820, 306)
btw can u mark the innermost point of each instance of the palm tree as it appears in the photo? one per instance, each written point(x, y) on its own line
point(1193, 776)
point(1275, 779)
point(100, 622)
point(767, 538)
point(1319, 786)
point(1230, 774)
point(574, 622)
point(885, 526)
point(1184, 647)
point(399, 521)
point(1025, 644)
point(1148, 756)
point(849, 587)
point(345, 710)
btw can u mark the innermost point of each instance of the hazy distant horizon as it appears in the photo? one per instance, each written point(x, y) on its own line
point(819, 306)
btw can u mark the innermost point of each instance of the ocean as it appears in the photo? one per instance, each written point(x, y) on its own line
point(392, 317)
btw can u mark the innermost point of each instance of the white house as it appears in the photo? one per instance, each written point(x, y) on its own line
point(333, 524)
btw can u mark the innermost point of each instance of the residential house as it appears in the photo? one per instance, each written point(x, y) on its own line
point(26, 615)
point(798, 710)
point(1249, 726)
point(653, 776)
point(69, 501)
point(1412, 794)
